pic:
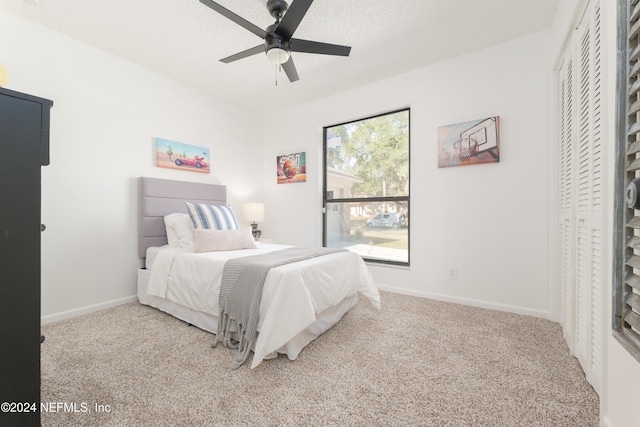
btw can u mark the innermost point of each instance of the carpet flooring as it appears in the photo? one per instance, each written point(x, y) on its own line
point(414, 362)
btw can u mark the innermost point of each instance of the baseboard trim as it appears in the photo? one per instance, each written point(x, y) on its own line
point(50, 318)
point(468, 301)
point(412, 292)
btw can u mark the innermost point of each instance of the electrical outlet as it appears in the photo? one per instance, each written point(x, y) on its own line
point(453, 273)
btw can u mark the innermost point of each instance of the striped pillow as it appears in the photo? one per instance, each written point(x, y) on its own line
point(212, 217)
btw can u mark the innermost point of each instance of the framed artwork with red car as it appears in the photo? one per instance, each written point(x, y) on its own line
point(177, 155)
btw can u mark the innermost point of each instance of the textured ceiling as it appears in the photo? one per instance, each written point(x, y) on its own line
point(185, 39)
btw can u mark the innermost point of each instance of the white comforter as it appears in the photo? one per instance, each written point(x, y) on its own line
point(292, 297)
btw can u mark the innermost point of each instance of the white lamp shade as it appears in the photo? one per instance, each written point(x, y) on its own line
point(253, 211)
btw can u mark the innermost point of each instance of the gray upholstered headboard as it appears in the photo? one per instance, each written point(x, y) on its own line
point(160, 197)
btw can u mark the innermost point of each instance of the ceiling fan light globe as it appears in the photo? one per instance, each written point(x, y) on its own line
point(277, 55)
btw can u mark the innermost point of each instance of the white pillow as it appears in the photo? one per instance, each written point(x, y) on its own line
point(208, 240)
point(179, 230)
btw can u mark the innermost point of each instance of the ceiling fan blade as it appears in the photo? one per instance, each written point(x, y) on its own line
point(235, 18)
point(292, 18)
point(308, 46)
point(244, 54)
point(290, 70)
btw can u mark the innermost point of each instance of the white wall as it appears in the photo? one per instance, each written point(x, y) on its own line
point(106, 114)
point(491, 221)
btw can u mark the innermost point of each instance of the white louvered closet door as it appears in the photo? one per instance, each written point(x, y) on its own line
point(567, 225)
point(581, 186)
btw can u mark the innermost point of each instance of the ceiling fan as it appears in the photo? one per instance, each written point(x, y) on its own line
point(278, 37)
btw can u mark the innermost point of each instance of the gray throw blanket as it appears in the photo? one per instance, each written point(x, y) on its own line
point(241, 294)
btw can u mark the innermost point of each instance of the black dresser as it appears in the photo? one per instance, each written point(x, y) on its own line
point(24, 148)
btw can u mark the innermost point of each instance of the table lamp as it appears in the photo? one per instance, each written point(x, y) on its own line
point(254, 212)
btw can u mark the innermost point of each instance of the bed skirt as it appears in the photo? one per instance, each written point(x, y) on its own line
point(208, 322)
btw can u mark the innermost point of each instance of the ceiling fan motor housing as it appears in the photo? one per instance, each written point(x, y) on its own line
point(275, 41)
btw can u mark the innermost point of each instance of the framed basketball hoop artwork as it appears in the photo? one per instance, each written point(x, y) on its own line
point(469, 143)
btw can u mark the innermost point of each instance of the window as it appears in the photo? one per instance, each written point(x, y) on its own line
point(366, 187)
point(626, 281)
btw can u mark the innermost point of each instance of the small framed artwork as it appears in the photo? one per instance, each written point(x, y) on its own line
point(178, 155)
point(291, 168)
point(469, 143)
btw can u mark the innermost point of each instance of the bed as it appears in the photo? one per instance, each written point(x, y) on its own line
point(300, 300)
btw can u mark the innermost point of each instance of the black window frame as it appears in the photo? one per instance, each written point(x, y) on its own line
point(392, 199)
